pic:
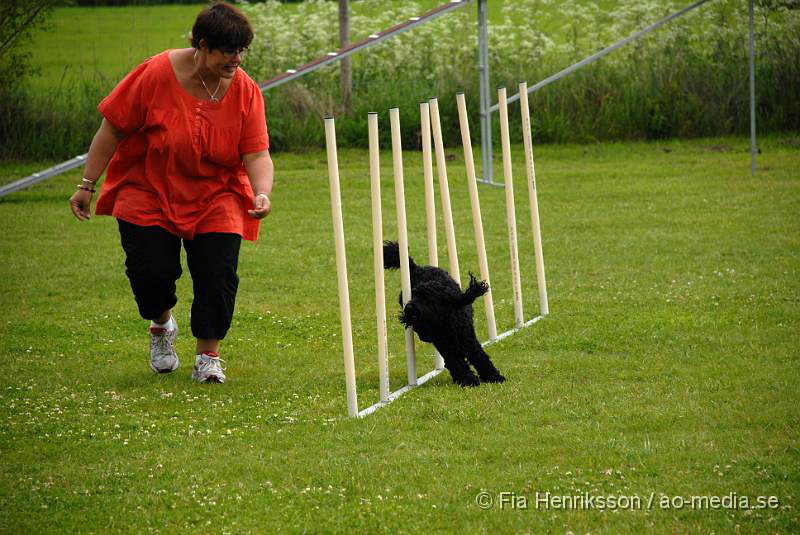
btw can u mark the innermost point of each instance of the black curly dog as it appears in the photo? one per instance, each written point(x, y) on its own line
point(440, 313)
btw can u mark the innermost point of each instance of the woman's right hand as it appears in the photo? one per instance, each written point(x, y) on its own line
point(81, 204)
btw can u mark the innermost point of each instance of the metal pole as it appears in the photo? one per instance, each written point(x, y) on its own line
point(371, 40)
point(752, 94)
point(594, 57)
point(63, 167)
point(483, 84)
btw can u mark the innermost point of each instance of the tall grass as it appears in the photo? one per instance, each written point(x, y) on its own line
point(687, 79)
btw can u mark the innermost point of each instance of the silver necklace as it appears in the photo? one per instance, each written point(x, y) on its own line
point(219, 83)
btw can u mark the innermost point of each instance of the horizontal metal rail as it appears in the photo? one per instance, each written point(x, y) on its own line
point(351, 49)
point(594, 57)
point(63, 167)
point(291, 74)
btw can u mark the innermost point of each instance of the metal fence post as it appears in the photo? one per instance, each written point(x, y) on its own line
point(485, 102)
point(753, 148)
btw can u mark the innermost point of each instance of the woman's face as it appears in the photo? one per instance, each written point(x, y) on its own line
point(223, 62)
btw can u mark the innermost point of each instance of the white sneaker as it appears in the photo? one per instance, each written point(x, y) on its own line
point(163, 358)
point(208, 369)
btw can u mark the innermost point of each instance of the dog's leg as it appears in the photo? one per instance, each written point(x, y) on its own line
point(480, 359)
point(456, 364)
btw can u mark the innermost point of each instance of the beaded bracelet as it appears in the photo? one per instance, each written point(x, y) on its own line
point(85, 188)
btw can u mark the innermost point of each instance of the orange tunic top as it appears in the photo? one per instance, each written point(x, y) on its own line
point(179, 165)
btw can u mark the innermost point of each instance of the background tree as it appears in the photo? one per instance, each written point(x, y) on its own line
point(18, 20)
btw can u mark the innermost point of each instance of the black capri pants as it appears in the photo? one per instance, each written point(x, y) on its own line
point(153, 264)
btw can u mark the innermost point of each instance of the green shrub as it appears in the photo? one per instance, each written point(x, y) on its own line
point(689, 78)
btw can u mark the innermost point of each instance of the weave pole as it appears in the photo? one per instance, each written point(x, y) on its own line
point(444, 191)
point(402, 239)
point(544, 309)
point(430, 202)
point(477, 223)
point(516, 284)
point(427, 173)
point(377, 252)
point(341, 267)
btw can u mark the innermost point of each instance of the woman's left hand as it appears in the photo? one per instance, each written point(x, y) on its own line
point(261, 205)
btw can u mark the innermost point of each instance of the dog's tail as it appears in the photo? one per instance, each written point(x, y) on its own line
point(475, 289)
point(391, 256)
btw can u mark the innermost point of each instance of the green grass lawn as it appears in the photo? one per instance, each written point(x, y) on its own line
point(668, 365)
point(106, 41)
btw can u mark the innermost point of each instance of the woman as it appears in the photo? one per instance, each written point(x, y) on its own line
point(188, 147)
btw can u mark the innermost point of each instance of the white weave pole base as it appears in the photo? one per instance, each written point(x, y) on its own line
point(433, 373)
point(397, 393)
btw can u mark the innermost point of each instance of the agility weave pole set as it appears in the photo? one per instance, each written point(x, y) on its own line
point(430, 123)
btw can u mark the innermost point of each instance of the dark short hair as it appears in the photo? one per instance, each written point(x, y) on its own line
point(222, 26)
